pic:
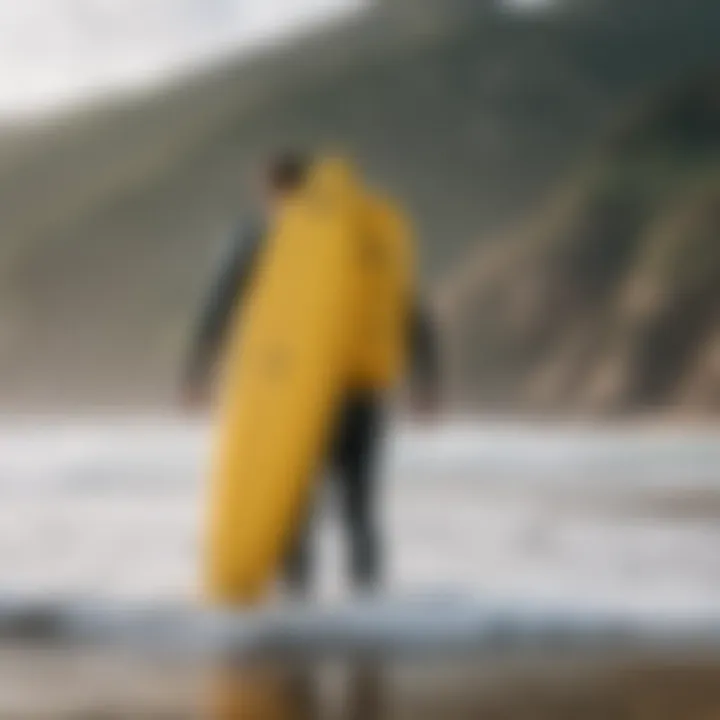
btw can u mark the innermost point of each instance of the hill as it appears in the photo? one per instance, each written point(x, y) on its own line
point(610, 300)
point(473, 115)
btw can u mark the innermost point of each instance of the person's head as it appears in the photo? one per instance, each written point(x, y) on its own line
point(285, 173)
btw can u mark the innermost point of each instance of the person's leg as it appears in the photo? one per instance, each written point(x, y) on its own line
point(355, 462)
point(298, 565)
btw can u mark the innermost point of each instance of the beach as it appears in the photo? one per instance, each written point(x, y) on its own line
point(586, 519)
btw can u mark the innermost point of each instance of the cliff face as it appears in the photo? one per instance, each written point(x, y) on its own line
point(610, 300)
point(473, 116)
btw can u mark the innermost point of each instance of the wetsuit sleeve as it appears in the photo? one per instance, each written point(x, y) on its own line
point(226, 291)
point(424, 353)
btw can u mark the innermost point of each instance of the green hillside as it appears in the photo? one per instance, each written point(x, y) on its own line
point(473, 116)
point(610, 300)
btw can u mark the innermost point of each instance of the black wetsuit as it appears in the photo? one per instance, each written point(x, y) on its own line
point(360, 426)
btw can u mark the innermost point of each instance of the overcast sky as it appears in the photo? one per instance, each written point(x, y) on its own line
point(55, 51)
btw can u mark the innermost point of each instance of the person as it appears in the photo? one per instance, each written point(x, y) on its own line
point(360, 428)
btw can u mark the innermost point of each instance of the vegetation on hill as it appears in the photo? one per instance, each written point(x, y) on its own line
point(608, 301)
point(474, 116)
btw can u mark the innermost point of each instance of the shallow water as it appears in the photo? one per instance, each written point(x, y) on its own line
point(598, 518)
point(585, 519)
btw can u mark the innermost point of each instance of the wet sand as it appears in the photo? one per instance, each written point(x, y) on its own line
point(39, 685)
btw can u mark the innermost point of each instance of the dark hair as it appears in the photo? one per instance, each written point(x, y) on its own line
point(286, 172)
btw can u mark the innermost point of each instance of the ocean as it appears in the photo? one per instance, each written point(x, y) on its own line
point(561, 560)
point(619, 516)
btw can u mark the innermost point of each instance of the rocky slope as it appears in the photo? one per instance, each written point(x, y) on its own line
point(473, 116)
point(609, 301)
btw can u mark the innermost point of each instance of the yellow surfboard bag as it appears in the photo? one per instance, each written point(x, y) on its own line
point(385, 270)
point(294, 351)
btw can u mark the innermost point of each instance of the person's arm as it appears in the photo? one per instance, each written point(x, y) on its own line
point(211, 330)
point(425, 368)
